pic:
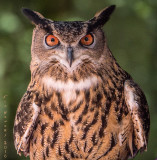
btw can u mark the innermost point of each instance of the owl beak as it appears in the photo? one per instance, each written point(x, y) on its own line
point(70, 55)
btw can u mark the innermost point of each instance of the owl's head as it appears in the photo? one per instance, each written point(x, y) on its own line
point(68, 43)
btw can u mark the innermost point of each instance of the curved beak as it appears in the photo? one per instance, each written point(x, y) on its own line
point(70, 55)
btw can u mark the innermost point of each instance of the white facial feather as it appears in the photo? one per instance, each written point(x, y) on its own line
point(69, 85)
point(63, 61)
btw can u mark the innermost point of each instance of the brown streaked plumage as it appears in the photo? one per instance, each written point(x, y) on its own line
point(80, 104)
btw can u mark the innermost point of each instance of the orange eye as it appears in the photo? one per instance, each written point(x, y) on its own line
point(51, 40)
point(87, 40)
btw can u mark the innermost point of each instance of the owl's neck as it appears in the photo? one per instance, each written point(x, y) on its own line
point(59, 85)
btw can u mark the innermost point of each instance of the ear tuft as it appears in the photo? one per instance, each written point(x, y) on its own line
point(102, 16)
point(35, 17)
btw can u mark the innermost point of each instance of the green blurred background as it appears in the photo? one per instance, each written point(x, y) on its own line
point(131, 34)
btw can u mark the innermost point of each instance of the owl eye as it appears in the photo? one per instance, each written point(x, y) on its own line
point(87, 40)
point(51, 40)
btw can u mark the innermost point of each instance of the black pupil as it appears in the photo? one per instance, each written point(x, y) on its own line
point(86, 39)
point(52, 39)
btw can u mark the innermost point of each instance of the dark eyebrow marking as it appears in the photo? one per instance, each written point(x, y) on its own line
point(46, 26)
point(90, 29)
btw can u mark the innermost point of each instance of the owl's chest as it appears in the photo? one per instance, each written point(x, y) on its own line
point(70, 107)
point(70, 96)
point(75, 118)
point(78, 104)
point(73, 103)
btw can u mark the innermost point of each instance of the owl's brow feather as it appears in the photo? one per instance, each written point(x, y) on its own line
point(46, 26)
point(62, 26)
point(91, 28)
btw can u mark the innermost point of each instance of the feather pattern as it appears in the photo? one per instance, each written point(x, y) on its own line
point(138, 108)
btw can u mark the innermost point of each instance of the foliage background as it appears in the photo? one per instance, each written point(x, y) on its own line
point(131, 34)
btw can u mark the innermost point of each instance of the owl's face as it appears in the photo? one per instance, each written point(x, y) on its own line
point(68, 43)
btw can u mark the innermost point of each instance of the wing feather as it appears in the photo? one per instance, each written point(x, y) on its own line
point(26, 116)
point(138, 108)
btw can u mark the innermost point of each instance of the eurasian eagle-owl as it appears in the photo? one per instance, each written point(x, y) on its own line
point(80, 104)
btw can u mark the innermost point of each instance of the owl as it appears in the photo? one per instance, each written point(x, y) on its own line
point(79, 104)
